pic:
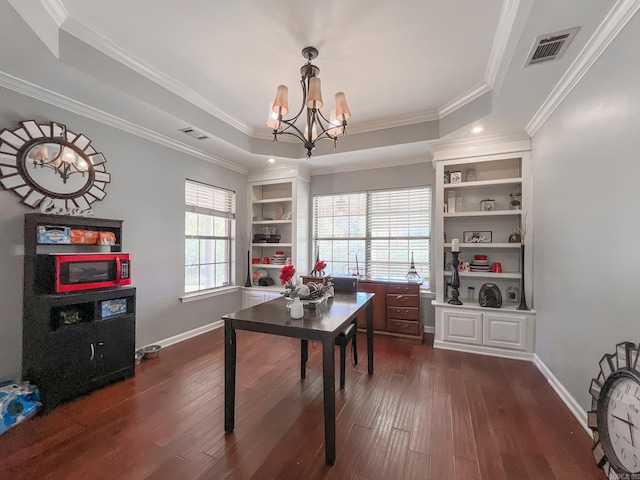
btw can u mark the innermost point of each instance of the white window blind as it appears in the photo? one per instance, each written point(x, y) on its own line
point(374, 232)
point(202, 198)
point(209, 217)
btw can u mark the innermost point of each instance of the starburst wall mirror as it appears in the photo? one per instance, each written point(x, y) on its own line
point(46, 164)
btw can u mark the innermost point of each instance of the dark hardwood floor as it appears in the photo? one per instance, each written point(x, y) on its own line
point(424, 414)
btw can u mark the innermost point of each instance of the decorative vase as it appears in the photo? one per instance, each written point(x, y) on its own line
point(297, 309)
point(523, 300)
point(248, 282)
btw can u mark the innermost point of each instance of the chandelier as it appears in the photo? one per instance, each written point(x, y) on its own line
point(316, 126)
point(60, 158)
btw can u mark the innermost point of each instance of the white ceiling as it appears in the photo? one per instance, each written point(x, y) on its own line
point(414, 72)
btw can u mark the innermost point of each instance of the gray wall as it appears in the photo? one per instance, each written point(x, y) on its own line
point(147, 192)
point(417, 174)
point(585, 183)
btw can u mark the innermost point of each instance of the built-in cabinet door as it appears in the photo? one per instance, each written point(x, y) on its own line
point(505, 331)
point(462, 327)
point(251, 299)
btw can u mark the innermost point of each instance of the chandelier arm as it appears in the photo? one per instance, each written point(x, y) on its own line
point(297, 133)
point(292, 120)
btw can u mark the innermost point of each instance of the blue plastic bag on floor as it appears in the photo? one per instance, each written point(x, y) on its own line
point(17, 403)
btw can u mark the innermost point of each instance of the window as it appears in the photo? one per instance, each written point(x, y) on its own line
point(375, 232)
point(209, 223)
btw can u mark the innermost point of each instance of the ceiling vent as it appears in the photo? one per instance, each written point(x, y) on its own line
point(194, 133)
point(550, 47)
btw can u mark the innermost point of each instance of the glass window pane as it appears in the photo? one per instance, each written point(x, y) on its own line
point(207, 276)
point(207, 251)
point(191, 279)
point(222, 274)
point(222, 250)
point(190, 223)
point(191, 256)
point(221, 227)
point(205, 225)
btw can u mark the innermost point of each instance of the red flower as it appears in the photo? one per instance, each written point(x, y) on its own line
point(319, 266)
point(286, 274)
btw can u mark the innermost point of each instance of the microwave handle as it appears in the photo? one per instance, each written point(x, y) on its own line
point(93, 352)
point(118, 270)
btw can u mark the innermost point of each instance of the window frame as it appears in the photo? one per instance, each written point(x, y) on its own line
point(424, 267)
point(214, 203)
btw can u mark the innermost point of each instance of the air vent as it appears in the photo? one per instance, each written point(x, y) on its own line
point(550, 47)
point(194, 133)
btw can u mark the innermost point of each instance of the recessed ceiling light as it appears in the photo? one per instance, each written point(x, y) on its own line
point(477, 130)
point(272, 160)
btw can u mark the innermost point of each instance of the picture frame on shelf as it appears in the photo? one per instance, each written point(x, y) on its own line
point(455, 176)
point(478, 237)
point(487, 205)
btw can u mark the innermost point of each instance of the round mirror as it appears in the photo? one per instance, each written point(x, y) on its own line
point(46, 161)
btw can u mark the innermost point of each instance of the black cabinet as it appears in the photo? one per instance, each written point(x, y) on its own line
point(74, 343)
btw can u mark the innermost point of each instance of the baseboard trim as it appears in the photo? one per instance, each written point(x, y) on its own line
point(492, 352)
point(190, 334)
point(563, 393)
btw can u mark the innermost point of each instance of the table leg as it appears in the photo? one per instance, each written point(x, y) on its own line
point(304, 356)
point(329, 381)
point(229, 376)
point(370, 336)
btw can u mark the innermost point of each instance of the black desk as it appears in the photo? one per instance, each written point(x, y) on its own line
point(323, 324)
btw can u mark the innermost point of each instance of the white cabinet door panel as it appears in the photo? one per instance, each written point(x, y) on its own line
point(505, 331)
point(462, 327)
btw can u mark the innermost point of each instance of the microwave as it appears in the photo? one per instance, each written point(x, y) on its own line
point(61, 273)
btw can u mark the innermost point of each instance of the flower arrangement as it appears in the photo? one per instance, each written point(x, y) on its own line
point(318, 268)
point(286, 276)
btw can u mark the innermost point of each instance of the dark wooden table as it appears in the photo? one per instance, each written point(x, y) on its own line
point(322, 324)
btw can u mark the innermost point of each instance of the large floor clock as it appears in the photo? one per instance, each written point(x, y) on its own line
point(615, 414)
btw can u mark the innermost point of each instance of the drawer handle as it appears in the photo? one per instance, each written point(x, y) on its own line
point(402, 325)
point(402, 298)
point(401, 312)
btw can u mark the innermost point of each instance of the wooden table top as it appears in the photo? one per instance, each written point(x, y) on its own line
point(328, 319)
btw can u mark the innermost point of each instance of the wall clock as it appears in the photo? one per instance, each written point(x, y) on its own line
point(46, 164)
point(615, 414)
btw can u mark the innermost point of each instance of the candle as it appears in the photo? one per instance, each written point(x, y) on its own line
point(455, 245)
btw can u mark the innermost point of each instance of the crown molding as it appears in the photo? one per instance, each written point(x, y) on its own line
point(34, 91)
point(463, 99)
point(485, 145)
point(501, 40)
point(57, 10)
point(607, 31)
point(105, 46)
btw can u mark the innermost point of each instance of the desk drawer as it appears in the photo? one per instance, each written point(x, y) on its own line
point(404, 289)
point(403, 326)
point(402, 300)
point(403, 313)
